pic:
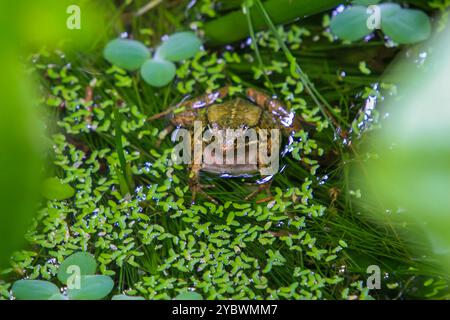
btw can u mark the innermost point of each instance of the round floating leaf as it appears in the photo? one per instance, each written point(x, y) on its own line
point(34, 290)
point(92, 288)
point(366, 2)
point(188, 295)
point(351, 24)
point(58, 296)
point(126, 54)
point(388, 9)
point(54, 189)
point(85, 261)
point(406, 26)
point(125, 297)
point(179, 46)
point(158, 73)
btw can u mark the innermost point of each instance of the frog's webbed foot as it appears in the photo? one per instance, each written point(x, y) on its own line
point(198, 188)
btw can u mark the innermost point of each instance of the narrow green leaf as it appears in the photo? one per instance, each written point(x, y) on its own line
point(406, 26)
point(126, 54)
point(34, 290)
point(158, 73)
point(92, 288)
point(54, 189)
point(351, 24)
point(85, 261)
point(179, 46)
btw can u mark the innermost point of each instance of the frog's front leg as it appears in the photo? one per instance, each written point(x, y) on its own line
point(288, 122)
point(195, 185)
point(265, 184)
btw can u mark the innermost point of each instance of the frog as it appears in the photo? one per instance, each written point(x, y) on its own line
point(221, 111)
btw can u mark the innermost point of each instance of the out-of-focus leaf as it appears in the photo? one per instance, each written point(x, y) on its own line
point(91, 288)
point(58, 296)
point(351, 24)
point(188, 295)
point(411, 175)
point(54, 189)
point(179, 46)
point(388, 9)
point(34, 290)
point(85, 261)
point(21, 145)
point(406, 26)
point(62, 23)
point(158, 73)
point(126, 54)
point(125, 297)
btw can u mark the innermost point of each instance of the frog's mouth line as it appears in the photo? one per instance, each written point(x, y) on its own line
point(228, 151)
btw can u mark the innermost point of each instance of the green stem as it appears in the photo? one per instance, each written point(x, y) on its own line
point(136, 90)
point(251, 30)
point(318, 99)
point(120, 152)
point(232, 27)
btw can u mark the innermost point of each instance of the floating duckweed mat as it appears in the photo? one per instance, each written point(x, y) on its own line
point(308, 241)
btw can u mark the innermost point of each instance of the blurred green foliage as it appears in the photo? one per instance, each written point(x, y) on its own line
point(412, 175)
point(49, 23)
point(28, 25)
point(19, 149)
point(404, 26)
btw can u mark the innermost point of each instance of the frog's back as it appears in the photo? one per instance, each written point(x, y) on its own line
point(234, 114)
